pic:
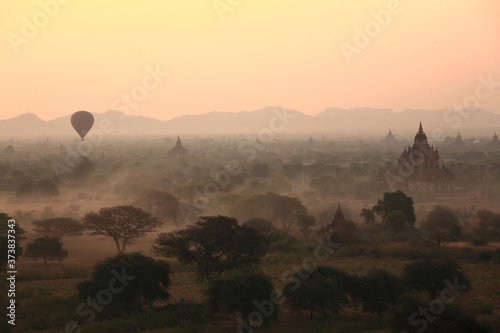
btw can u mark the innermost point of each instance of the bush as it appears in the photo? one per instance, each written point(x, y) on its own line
point(238, 290)
point(136, 280)
point(379, 289)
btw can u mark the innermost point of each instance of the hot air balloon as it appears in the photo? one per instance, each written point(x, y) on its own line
point(82, 122)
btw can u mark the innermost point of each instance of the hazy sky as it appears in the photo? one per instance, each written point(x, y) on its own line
point(233, 55)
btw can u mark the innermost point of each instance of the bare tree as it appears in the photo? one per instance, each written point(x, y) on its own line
point(465, 214)
point(122, 223)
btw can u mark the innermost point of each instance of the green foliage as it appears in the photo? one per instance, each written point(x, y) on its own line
point(272, 207)
point(433, 276)
point(396, 201)
point(379, 290)
point(163, 205)
point(367, 215)
point(280, 241)
point(442, 217)
point(259, 224)
point(58, 227)
point(83, 169)
point(395, 220)
point(46, 248)
point(147, 281)
point(215, 244)
point(122, 223)
point(305, 223)
point(240, 290)
point(319, 289)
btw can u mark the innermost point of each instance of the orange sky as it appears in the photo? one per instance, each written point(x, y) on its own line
point(244, 55)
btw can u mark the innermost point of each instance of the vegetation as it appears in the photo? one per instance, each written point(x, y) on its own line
point(46, 247)
point(435, 276)
point(127, 281)
point(58, 227)
point(122, 223)
point(319, 290)
point(395, 201)
point(247, 291)
point(215, 244)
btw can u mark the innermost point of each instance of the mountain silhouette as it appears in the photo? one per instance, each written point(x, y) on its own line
point(356, 121)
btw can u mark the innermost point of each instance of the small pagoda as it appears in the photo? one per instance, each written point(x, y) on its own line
point(178, 151)
point(327, 229)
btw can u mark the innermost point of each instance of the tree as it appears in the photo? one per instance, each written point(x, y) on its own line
point(431, 276)
point(260, 170)
point(242, 290)
point(272, 207)
point(305, 222)
point(396, 201)
point(326, 186)
point(489, 218)
point(27, 188)
point(441, 235)
point(444, 218)
point(47, 187)
point(83, 169)
point(319, 290)
point(464, 214)
point(367, 215)
point(259, 224)
point(58, 227)
point(122, 223)
point(162, 205)
point(379, 290)
point(13, 229)
point(143, 280)
point(395, 220)
point(215, 244)
point(46, 248)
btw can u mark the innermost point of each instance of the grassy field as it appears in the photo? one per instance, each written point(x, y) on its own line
point(47, 296)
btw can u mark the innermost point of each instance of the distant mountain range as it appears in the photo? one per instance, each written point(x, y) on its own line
point(358, 121)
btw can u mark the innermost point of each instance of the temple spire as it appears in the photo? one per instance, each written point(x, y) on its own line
point(420, 129)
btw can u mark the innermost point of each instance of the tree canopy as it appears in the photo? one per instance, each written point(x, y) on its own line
point(444, 218)
point(430, 276)
point(396, 201)
point(122, 223)
point(58, 227)
point(46, 248)
point(163, 205)
point(286, 210)
point(142, 280)
point(240, 290)
point(321, 290)
point(214, 244)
